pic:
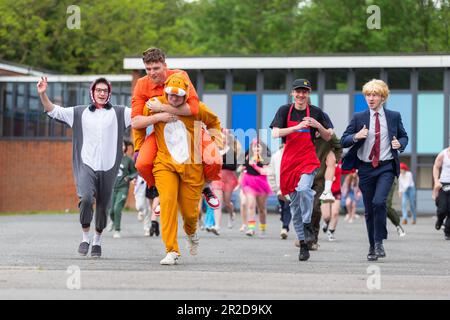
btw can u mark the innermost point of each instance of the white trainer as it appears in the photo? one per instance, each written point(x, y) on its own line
point(327, 197)
point(110, 226)
point(147, 233)
point(231, 220)
point(330, 236)
point(243, 228)
point(192, 243)
point(140, 216)
point(170, 259)
point(117, 235)
point(284, 234)
point(215, 230)
point(400, 231)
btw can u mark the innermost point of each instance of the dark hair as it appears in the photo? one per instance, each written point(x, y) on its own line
point(94, 84)
point(153, 55)
point(101, 80)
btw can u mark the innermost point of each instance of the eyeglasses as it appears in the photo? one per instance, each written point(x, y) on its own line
point(105, 91)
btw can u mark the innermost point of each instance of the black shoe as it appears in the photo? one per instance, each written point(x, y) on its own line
point(379, 250)
point(304, 252)
point(83, 248)
point(154, 229)
point(96, 251)
point(372, 256)
point(447, 237)
point(151, 193)
point(325, 227)
point(309, 232)
point(438, 224)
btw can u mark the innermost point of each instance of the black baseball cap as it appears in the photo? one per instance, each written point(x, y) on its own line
point(301, 83)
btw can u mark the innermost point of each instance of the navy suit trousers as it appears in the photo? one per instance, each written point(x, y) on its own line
point(375, 184)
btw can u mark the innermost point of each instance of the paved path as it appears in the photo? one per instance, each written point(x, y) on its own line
point(38, 250)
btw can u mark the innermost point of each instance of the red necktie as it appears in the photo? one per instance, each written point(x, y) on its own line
point(375, 153)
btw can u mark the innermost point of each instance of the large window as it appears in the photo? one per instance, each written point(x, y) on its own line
point(399, 79)
point(336, 79)
point(424, 179)
point(431, 79)
point(275, 80)
point(362, 76)
point(214, 80)
point(244, 80)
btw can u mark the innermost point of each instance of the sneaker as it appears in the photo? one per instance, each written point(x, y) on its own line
point(350, 220)
point(327, 197)
point(330, 236)
point(250, 232)
point(96, 251)
point(170, 259)
point(215, 230)
point(262, 233)
point(231, 220)
point(400, 231)
point(325, 227)
point(110, 226)
point(347, 217)
point(147, 233)
point(211, 199)
point(284, 234)
point(117, 235)
point(140, 216)
point(304, 252)
point(313, 246)
point(83, 248)
point(438, 224)
point(447, 237)
point(192, 242)
point(243, 228)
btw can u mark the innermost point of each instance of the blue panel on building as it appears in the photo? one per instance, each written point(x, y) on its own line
point(360, 103)
point(402, 102)
point(244, 118)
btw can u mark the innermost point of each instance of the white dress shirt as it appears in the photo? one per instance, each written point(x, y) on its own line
point(385, 143)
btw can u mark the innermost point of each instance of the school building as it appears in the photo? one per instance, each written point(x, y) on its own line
point(245, 92)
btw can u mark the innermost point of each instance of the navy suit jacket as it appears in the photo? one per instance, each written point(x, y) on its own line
point(395, 128)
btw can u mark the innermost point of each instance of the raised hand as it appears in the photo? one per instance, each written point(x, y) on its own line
point(362, 134)
point(42, 85)
point(395, 144)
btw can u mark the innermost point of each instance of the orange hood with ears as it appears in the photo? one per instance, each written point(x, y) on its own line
point(177, 84)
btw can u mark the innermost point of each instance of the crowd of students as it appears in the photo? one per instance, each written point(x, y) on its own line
point(189, 164)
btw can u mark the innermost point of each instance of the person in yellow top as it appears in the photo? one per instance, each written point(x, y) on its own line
point(178, 167)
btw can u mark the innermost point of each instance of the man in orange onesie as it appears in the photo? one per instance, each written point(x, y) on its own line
point(148, 87)
point(178, 167)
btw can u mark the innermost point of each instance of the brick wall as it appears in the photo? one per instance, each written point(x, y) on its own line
point(37, 176)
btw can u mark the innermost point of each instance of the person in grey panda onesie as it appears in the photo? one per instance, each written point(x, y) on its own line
point(97, 138)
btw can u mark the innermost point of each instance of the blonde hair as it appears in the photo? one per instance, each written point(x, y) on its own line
point(376, 86)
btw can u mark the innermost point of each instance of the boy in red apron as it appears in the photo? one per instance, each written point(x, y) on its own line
point(297, 124)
